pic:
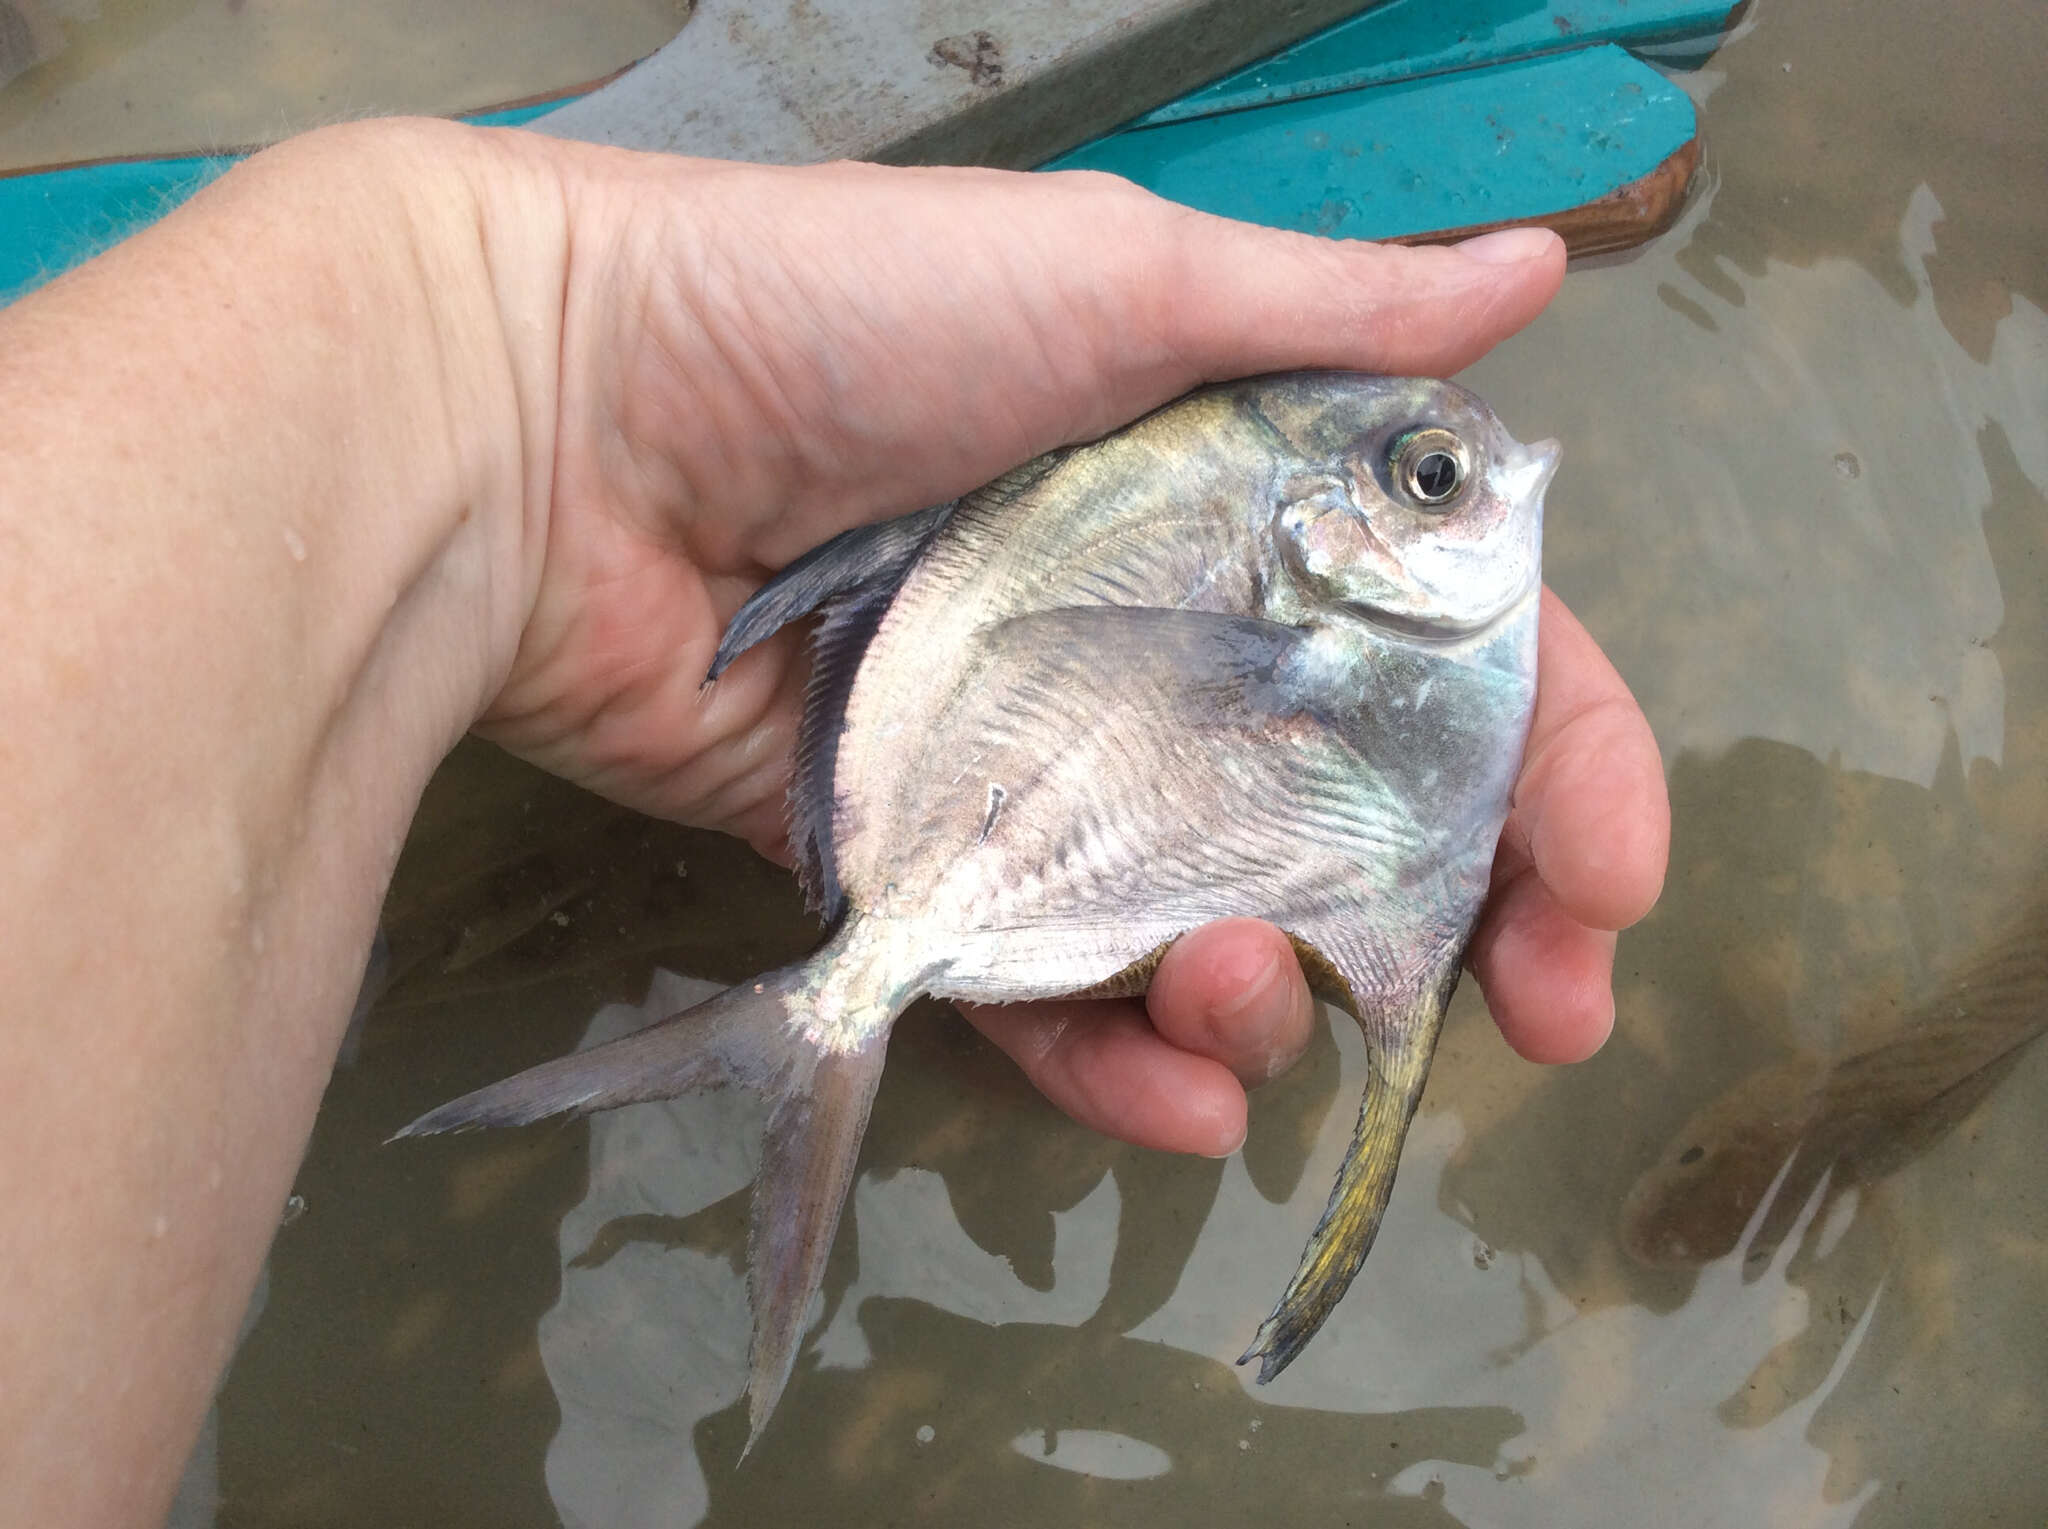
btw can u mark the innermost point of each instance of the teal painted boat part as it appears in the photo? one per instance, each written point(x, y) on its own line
point(1577, 132)
point(1407, 39)
point(58, 218)
point(517, 116)
point(53, 219)
point(1484, 146)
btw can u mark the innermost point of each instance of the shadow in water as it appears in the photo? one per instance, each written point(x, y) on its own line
point(1000, 1404)
point(1830, 159)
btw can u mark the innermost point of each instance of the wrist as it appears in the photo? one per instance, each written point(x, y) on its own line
point(462, 255)
point(266, 508)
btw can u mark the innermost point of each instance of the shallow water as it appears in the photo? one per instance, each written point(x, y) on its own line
point(123, 77)
point(1805, 506)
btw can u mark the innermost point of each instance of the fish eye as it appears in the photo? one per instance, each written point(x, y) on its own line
point(1430, 466)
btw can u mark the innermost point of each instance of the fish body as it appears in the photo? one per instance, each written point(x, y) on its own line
point(1854, 1120)
point(1268, 651)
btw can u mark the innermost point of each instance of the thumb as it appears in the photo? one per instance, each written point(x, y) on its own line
point(1233, 299)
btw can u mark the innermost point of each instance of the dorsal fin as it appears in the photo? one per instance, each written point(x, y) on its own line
point(854, 607)
point(848, 562)
point(1012, 484)
point(836, 649)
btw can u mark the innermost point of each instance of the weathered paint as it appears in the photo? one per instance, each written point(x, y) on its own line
point(1480, 147)
point(53, 219)
point(787, 82)
point(925, 81)
point(1407, 39)
point(1434, 164)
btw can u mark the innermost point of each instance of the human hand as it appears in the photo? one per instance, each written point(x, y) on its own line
point(747, 360)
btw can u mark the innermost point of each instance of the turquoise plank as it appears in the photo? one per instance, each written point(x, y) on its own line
point(50, 221)
point(1414, 179)
point(58, 218)
point(1517, 140)
point(1405, 39)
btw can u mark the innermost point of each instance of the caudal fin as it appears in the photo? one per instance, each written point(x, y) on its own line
point(819, 1081)
point(738, 1037)
point(808, 1154)
point(1351, 1219)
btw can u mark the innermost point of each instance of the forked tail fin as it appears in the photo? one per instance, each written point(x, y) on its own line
point(1399, 1067)
point(740, 1036)
point(808, 1152)
point(819, 1079)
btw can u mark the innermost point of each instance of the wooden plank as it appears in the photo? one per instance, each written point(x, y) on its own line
point(1621, 219)
point(1407, 39)
point(1530, 141)
point(924, 81)
point(54, 219)
point(29, 35)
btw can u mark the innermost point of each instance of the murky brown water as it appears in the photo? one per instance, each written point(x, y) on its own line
point(1805, 505)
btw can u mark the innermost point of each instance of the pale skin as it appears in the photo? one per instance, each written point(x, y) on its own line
point(404, 429)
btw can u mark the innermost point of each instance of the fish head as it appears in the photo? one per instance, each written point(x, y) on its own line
point(1411, 504)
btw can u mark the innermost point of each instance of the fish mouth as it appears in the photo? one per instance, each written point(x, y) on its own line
point(1444, 629)
point(1528, 472)
point(1419, 629)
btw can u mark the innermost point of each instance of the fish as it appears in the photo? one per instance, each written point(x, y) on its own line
point(1806, 1127)
point(1269, 650)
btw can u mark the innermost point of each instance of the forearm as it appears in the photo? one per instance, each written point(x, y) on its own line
point(265, 552)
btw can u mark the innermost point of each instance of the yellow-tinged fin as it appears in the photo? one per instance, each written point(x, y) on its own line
point(1398, 1055)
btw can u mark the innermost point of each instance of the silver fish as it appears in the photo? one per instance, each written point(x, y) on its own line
point(1267, 651)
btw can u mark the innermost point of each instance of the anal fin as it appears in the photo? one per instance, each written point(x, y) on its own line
point(1398, 1055)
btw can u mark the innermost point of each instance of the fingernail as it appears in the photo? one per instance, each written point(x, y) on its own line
point(1507, 246)
point(1217, 1157)
point(1257, 1026)
point(1255, 994)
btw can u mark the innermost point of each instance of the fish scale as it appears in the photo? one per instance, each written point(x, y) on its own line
point(1240, 657)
